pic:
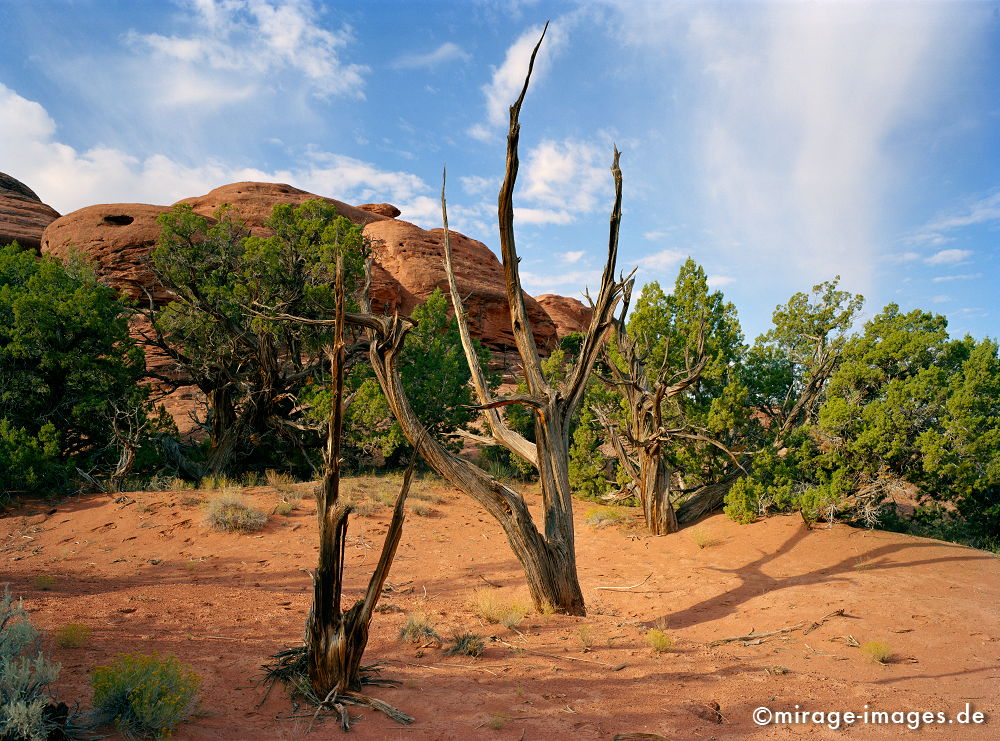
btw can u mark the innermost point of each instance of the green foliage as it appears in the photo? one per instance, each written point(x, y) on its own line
point(228, 512)
point(435, 375)
point(144, 695)
point(586, 462)
point(25, 674)
point(68, 367)
point(251, 368)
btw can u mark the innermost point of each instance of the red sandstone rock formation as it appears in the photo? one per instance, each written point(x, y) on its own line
point(568, 314)
point(118, 239)
point(414, 257)
point(255, 201)
point(23, 216)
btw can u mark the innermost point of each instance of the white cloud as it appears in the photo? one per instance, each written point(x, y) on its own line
point(447, 52)
point(978, 212)
point(661, 261)
point(718, 281)
point(68, 179)
point(508, 79)
point(566, 175)
point(566, 284)
point(572, 256)
point(963, 276)
point(237, 46)
point(476, 184)
point(940, 299)
point(541, 216)
point(792, 109)
point(903, 257)
point(948, 257)
point(655, 236)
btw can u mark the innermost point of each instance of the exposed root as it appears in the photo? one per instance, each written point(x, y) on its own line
point(290, 668)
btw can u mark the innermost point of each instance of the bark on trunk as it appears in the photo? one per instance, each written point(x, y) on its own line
point(654, 491)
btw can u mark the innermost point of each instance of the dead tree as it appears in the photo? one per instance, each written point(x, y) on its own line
point(547, 556)
point(639, 442)
point(335, 639)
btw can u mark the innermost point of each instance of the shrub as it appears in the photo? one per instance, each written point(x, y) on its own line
point(144, 695)
point(45, 582)
point(283, 508)
point(72, 635)
point(465, 644)
point(603, 516)
point(659, 641)
point(877, 651)
point(487, 605)
point(26, 709)
point(277, 479)
point(421, 509)
point(703, 538)
point(417, 629)
point(230, 513)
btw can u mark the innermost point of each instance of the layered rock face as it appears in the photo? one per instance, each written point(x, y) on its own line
point(408, 260)
point(23, 216)
point(568, 314)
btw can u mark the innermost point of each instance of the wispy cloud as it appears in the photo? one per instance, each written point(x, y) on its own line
point(963, 276)
point(791, 106)
point(235, 47)
point(661, 261)
point(948, 257)
point(565, 178)
point(978, 212)
point(447, 52)
point(507, 79)
point(572, 256)
point(718, 281)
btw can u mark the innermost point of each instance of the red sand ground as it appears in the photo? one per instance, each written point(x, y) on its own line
point(150, 575)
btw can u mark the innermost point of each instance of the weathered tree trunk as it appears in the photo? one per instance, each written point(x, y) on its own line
point(654, 492)
point(336, 641)
point(706, 500)
point(639, 442)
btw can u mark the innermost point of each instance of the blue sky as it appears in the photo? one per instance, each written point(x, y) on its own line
point(779, 144)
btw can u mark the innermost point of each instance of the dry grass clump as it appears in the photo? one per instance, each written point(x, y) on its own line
point(218, 482)
point(365, 508)
point(45, 582)
point(703, 538)
point(659, 641)
point(488, 605)
point(230, 513)
point(283, 508)
point(586, 636)
point(72, 635)
point(417, 629)
point(277, 479)
point(877, 651)
point(465, 644)
point(604, 516)
point(421, 509)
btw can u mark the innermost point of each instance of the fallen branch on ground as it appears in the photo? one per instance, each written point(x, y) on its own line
point(619, 589)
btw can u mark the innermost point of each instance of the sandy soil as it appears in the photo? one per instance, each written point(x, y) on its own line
point(150, 575)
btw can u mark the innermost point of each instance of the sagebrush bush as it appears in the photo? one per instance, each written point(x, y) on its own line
point(230, 513)
point(659, 641)
point(144, 695)
point(25, 674)
point(877, 651)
